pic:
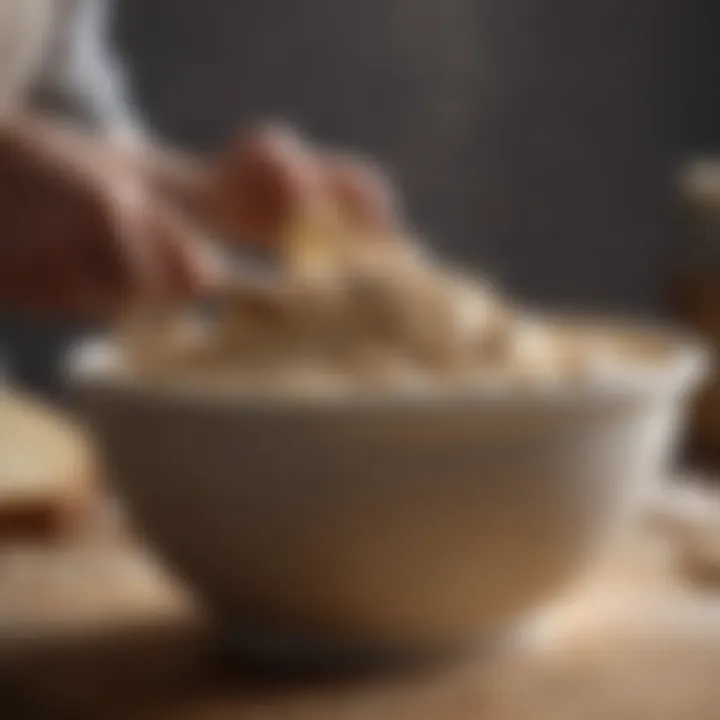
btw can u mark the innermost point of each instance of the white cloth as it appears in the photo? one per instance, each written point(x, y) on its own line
point(54, 57)
point(25, 32)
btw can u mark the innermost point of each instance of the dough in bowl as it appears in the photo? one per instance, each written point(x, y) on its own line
point(351, 308)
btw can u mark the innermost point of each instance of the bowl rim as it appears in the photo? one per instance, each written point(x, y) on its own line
point(687, 364)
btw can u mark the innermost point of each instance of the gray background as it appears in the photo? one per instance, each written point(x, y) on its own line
point(535, 138)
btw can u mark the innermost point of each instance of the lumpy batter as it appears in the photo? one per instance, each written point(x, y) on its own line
point(350, 307)
point(349, 312)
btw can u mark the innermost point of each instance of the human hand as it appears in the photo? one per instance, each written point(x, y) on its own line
point(271, 175)
point(81, 234)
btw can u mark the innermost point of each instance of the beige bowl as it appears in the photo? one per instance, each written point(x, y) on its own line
point(388, 520)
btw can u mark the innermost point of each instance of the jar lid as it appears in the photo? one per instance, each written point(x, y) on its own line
point(699, 181)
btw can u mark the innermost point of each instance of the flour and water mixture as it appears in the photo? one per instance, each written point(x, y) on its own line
point(349, 308)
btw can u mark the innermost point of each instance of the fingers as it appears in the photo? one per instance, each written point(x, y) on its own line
point(263, 182)
point(363, 193)
point(185, 264)
point(271, 175)
point(84, 236)
point(150, 255)
point(102, 268)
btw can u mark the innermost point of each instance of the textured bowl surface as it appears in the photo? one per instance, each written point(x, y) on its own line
point(388, 521)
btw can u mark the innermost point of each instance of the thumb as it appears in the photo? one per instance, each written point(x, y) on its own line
point(188, 263)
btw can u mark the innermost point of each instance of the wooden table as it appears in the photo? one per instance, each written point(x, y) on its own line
point(94, 629)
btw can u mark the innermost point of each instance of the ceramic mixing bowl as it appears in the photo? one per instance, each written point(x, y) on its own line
point(388, 520)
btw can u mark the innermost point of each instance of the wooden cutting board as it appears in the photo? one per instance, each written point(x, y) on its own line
point(95, 629)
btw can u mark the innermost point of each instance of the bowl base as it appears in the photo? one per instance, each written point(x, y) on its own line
point(249, 648)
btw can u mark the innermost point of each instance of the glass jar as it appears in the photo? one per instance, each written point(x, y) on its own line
point(700, 195)
point(698, 287)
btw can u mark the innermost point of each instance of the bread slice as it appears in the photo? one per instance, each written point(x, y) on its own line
point(46, 486)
